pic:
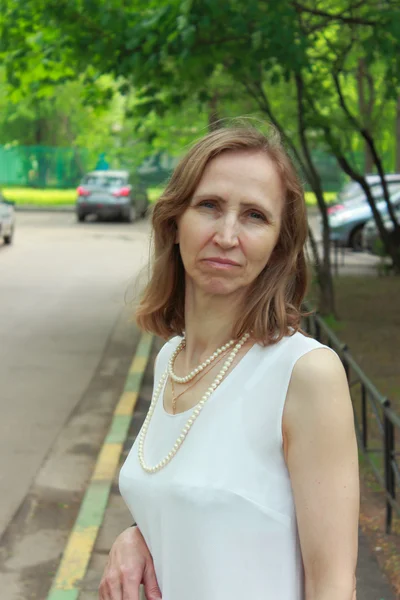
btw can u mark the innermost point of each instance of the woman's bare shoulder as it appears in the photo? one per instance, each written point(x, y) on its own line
point(318, 386)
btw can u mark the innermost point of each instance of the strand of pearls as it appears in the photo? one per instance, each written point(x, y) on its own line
point(189, 424)
point(198, 369)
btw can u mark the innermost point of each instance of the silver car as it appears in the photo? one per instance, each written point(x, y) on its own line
point(347, 221)
point(371, 239)
point(354, 190)
point(111, 194)
point(7, 219)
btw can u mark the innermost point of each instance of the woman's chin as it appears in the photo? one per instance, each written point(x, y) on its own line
point(216, 287)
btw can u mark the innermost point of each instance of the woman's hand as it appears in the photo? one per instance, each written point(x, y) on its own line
point(129, 564)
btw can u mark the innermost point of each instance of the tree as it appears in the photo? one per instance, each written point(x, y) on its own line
point(171, 50)
point(397, 133)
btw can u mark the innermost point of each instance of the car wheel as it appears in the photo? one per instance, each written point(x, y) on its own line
point(130, 215)
point(80, 217)
point(9, 238)
point(356, 239)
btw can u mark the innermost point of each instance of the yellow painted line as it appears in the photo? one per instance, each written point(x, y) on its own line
point(79, 548)
point(126, 404)
point(76, 556)
point(139, 364)
point(107, 462)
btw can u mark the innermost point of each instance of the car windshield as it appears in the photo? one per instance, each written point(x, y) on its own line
point(105, 181)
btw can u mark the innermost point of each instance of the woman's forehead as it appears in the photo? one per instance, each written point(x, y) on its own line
point(241, 173)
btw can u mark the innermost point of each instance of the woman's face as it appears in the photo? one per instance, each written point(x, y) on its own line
point(231, 226)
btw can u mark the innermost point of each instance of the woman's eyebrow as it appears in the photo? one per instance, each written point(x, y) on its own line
point(248, 204)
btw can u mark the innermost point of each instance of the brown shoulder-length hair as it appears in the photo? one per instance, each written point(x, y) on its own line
point(272, 304)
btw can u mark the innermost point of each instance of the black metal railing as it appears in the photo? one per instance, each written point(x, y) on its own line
point(377, 425)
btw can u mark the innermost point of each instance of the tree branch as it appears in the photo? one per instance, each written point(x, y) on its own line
point(370, 142)
point(316, 179)
point(262, 101)
point(360, 178)
point(333, 17)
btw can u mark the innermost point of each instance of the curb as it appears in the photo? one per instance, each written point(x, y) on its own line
point(78, 551)
point(62, 208)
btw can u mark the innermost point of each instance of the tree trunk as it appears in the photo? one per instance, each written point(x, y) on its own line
point(41, 154)
point(366, 105)
point(213, 117)
point(397, 164)
point(326, 301)
point(326, 290)
point(390, 241)
point(326, 304)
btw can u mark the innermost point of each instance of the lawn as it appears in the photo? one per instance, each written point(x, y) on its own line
point(369, 311)
point(51, 197)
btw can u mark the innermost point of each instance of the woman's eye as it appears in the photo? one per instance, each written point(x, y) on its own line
point(208, 203)
point(254, 214)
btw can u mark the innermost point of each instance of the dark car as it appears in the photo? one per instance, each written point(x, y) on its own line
point(111, 194)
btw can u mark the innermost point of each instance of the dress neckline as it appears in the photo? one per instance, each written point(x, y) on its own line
point(226, 379)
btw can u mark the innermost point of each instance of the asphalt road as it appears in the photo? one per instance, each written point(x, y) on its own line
point(62, 288)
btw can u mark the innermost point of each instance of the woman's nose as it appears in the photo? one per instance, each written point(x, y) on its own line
point(227, 231)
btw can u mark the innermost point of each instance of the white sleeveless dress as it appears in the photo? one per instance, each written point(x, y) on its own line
point(219, 519)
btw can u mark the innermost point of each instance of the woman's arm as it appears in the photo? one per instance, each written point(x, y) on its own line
point(321, 454)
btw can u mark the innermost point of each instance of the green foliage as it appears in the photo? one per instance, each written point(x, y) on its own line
point(333, 323)
point(171, 59)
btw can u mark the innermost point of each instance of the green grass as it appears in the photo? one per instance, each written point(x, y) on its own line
point(52, 197)
point(37, 197)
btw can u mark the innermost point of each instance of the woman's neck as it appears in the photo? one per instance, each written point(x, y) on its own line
point(209, 324)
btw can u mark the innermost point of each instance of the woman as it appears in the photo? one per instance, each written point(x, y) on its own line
point(243, 481)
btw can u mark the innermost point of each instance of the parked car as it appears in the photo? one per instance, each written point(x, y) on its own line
point(346, 224)
point(370, 233)
point(7, 219)
point(111, 194)
point(354, 190)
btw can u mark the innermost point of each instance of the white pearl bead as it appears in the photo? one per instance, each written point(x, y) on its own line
point(196, 411)
point(193, 373)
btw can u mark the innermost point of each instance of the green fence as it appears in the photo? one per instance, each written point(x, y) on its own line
point(42, 166)
point(61, 168)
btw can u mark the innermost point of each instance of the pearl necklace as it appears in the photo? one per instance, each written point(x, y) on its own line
point(189, 424)
point(198, 369)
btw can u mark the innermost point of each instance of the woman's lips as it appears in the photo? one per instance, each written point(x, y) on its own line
point(221, 263)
